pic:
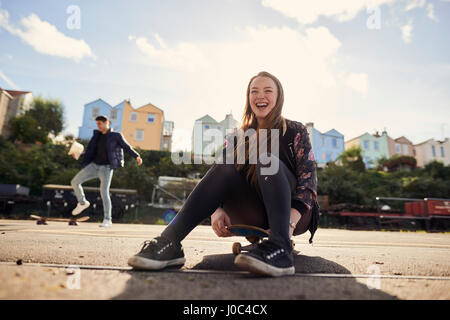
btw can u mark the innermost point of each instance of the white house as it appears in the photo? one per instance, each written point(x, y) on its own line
point(208, 134)
point(12, 104)
point(432, 150)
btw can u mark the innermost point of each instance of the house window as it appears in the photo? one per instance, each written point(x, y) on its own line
point(334, 142)
point(133, 116)
point(95, 112)
point(139, 135)
point(151, 118)
point(376, 145)
point(404, 149)
point(323, 141)
point(397, 148)
point(366, 144)
point(433, 151)
point(167, 128)
point(113, 114)
point(442, 152)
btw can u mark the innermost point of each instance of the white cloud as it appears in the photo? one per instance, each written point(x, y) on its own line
point(430, 12)
point(307, 12)
point(407, 32)
point(356, 81)
point(413, 4)
point(184, 56)
point(45, 37)
point(10, 83)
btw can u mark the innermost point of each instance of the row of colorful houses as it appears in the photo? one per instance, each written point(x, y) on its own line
point(377, 146)
point(145, 127)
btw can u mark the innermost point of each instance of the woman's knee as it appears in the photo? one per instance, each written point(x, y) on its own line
point(224, 170)
point(273, 166)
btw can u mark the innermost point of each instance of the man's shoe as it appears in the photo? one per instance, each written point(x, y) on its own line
point(268, 259)
point(80, 207)
point(157, 254)
point(106, 224)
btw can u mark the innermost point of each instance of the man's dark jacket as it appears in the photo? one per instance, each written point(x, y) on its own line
point(115, 144)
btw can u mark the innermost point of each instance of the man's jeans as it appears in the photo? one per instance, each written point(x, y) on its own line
point(92, 171)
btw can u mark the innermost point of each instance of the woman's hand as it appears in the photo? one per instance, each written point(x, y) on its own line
point(295, 217)
point(219, 220)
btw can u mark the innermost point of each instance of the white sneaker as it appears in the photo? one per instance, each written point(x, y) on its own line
point(80, 207)
point(106, 224)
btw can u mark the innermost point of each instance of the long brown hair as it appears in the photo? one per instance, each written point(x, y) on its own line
point(273, 120)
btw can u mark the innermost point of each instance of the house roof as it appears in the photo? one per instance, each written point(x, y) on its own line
point(403, 137)
point(207, 118)
point(99, 99)
point(334, 132)
point(6, 93)
point(148, 104)
point(357, 137)
point(418, 144)
point(15, 93)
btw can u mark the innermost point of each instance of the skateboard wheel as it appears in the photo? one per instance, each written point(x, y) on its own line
point(73, 223)
point(236, 248)
point(293, 244)
point(41, 222)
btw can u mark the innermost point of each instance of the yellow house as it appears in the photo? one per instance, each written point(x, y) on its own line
point(143, 127)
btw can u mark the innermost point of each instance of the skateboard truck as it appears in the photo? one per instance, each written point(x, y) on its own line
point(73, 223)
point(42, 221)
point(253, 234)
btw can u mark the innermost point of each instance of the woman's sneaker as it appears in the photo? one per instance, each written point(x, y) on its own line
point(268, 259)
point(157, 254)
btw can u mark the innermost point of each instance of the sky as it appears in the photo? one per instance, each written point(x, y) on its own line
point(352, 65)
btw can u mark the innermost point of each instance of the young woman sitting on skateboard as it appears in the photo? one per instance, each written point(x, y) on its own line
point(282, 200)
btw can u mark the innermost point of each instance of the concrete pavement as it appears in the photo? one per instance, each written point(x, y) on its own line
point(341, 264)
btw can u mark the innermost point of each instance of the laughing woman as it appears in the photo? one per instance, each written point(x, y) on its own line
point(239, 193)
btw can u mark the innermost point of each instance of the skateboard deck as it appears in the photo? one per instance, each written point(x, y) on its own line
point(253, 234)
point(72, 221)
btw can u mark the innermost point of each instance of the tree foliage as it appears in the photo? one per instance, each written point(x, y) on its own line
point(346, 182)
point(44, 117)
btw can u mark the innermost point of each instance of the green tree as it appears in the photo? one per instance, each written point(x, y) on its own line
point(25, 128)
point(351, 158)
point(44, 117)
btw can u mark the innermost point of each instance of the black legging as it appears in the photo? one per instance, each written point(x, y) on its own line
point(223, 184)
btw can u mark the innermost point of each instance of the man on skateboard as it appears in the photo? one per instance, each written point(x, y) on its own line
point(104, 153)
